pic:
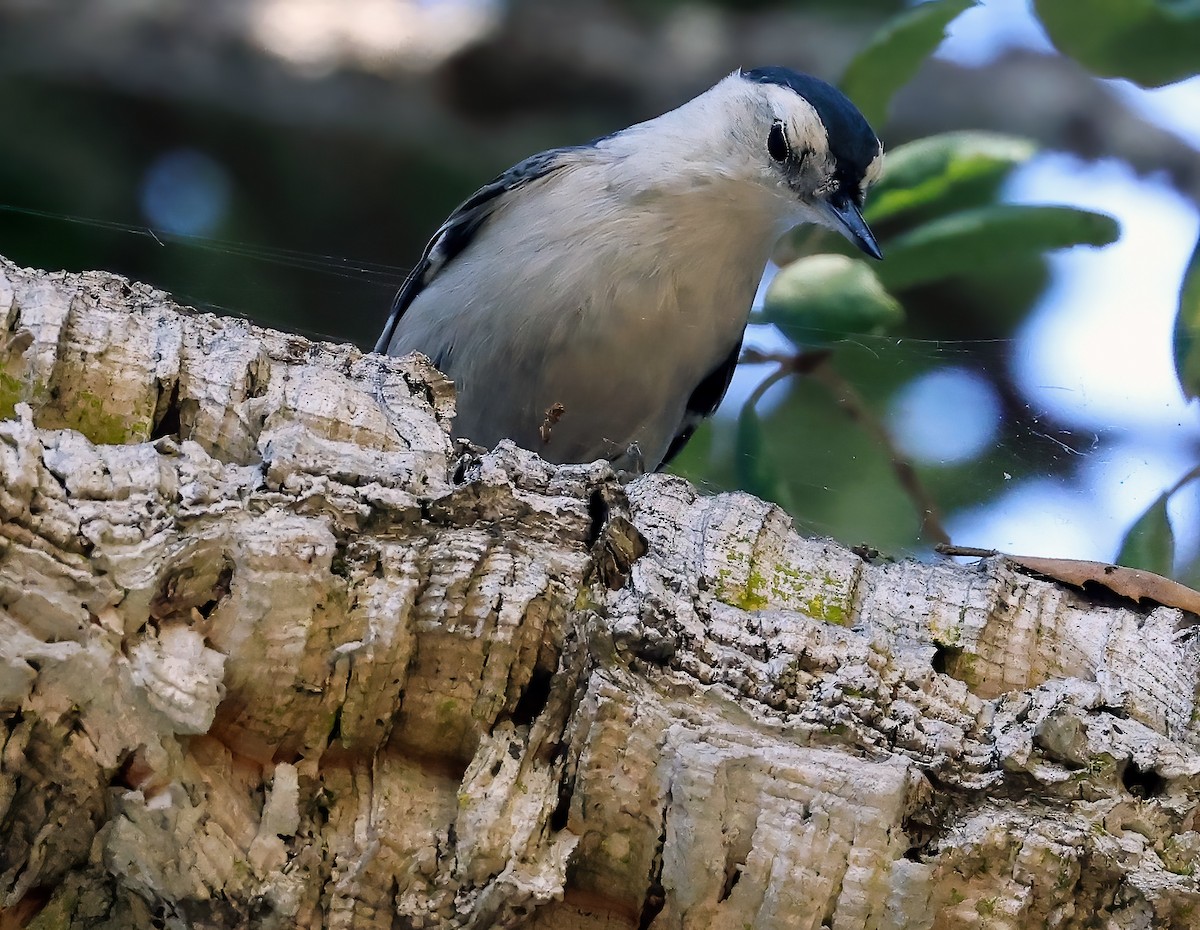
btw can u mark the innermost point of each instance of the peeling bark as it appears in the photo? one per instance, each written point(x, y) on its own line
point(274, 652)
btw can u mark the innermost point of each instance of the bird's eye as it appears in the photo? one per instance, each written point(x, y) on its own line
point(777, 144)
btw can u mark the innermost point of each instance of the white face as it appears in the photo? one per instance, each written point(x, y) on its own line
point(762, 154)
point(809, 169)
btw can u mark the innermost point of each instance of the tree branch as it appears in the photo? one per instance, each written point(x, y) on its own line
point(275, 653)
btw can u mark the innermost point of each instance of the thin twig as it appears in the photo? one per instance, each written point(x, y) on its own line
point(849, 400)
point(783, 371)
point(800, 363)
point(1191, 475)
point(972, 552)
point(815, 364)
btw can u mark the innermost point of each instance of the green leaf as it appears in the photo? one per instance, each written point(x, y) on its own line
point(942, 173)
point(1152, 42)
point(1150, 544)
point(754, 469)
point(893, 55)
point(1187, 329)
point(824, 298)
point(987, 237)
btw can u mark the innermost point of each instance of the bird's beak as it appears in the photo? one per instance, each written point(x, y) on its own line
point(849, 222)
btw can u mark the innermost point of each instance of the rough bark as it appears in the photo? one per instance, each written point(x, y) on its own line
point(275, 653)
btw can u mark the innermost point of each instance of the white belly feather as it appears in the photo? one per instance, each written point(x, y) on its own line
point(617, 322)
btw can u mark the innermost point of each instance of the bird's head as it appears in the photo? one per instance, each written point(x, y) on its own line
point(809, 145)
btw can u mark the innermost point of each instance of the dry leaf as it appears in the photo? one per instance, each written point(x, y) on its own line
point(1133, 583)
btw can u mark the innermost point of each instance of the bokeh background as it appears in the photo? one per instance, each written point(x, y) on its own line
point(286, 160)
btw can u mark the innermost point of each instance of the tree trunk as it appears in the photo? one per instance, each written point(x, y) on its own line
point(274, 652)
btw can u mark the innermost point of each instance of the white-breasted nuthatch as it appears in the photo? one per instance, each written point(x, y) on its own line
point(590, 301)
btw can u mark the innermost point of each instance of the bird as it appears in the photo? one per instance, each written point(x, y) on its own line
point(590, 302)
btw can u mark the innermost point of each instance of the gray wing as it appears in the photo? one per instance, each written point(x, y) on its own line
point(460, 229)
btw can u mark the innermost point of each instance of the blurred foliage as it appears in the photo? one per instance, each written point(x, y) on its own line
point(322, 221)
point(755, 468)
point(861, 7)
point(937, 175)
point(936, 214)
point(894, 54)
point(1187, 329)
point(1150, 542)
point(1152, 42)
point(826, 298)
point(992, 236)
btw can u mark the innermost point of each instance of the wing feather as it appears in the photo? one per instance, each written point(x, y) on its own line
point(463, 225)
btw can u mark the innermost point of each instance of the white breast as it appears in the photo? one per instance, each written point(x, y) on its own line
point(613, 306)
